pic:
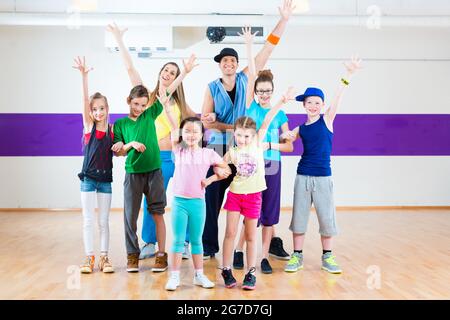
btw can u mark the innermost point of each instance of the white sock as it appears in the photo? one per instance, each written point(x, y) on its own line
point(198, 272)
point(175, 273)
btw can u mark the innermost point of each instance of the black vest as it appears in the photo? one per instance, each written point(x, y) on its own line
point(97, 164)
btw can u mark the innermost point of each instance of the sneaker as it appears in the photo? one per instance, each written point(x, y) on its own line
point(147, 251)
point(295, 263)
point(88, 265)
point(329, 263)
point(238, 260)
point(160, 262)
point(173, 282)
point(276, 249)
point(105, 265)
point(133, 262)
point(228, 278)
point(202, 280)
point(186, 253)
point(265, 266)
point(207, 256)
point(249, 280)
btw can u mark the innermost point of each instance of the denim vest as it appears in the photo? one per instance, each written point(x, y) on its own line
point(225, 111)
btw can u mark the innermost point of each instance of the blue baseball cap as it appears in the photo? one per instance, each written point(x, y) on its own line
point(309, 93)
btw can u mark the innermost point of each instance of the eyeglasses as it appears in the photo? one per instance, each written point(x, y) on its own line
point(261, 92)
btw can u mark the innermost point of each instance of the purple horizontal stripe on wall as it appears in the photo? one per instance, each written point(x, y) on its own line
point(355, 134)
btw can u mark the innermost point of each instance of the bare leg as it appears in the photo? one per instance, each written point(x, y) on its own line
point(250, 237)
point(230, 235)
point(299, 238)
point(267, 233)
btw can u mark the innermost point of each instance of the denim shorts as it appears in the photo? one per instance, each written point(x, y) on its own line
point(90, 185)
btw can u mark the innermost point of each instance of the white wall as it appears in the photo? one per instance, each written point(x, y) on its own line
point(403, 69)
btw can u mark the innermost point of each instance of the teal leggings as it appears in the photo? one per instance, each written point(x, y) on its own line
point(188, 212)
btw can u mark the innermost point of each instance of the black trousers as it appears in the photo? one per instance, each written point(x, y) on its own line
point(214, 195)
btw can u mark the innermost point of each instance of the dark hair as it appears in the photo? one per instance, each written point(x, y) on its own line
point(245, 123)
point(194, 120)
point(138, 91)
point(264, 76)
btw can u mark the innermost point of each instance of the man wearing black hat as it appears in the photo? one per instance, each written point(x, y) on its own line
point(224, 102)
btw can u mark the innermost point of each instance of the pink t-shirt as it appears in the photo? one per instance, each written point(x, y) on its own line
point(190, 168)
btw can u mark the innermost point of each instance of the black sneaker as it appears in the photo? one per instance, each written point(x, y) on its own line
point(265, 266)
point(207, 256)
point(228, 278)
point(238, 260)
point(276, 249)
point(249, 280)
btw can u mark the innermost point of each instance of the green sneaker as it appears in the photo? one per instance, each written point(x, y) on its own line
point(329, 263)
point(295, 263)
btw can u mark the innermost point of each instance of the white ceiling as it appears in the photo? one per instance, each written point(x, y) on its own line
point(268, 7)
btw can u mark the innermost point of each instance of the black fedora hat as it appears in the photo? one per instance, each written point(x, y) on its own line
point(226, 52)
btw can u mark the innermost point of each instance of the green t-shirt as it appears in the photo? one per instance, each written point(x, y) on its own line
point(141, 130)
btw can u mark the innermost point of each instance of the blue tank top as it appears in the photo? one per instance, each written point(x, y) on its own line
point(226, 111)
point(317, 141)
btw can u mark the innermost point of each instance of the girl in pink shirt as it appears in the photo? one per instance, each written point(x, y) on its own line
point(192, 162)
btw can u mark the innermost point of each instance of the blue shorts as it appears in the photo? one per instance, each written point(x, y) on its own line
point(90, 185)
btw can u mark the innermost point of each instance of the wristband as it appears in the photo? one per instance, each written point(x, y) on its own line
point(345, 81)
point(270, 145)
point(273, 39)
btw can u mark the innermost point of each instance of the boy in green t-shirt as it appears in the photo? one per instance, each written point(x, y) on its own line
point(143, 174)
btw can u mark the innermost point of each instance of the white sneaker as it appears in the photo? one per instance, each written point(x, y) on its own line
point(173, 282)
point(186, 253)
point(147, 251)
point(202, 280)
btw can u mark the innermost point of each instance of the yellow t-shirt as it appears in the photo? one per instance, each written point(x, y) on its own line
point(250, 167)
point(162, 123)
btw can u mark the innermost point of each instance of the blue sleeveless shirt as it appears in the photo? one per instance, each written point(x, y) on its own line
point(317, 142)
point(226, 111)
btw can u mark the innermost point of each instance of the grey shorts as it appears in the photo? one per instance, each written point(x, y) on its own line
point(310, 190)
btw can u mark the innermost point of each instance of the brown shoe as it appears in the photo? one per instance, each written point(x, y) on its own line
point(105, 265)
point(160, 262)
point(88, 265)
point(133, 262)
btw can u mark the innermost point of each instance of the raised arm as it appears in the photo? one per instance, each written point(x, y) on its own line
point(263, 55)
point(80, 64)
point(188, 66)
point(248, 37)
point(289, 95)
point(352, 66)
point(135, 78)
point(164, 99)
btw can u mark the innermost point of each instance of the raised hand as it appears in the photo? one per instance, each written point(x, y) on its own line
point(80, 64)
point(353, 65)
point(115, 30)
point(286, 10)
point(190, 63)
point(163, 96)
point(289, 95)
point(247, 34)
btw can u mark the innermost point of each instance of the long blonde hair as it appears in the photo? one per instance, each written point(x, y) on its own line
point(97, 96)
point(178, 95)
